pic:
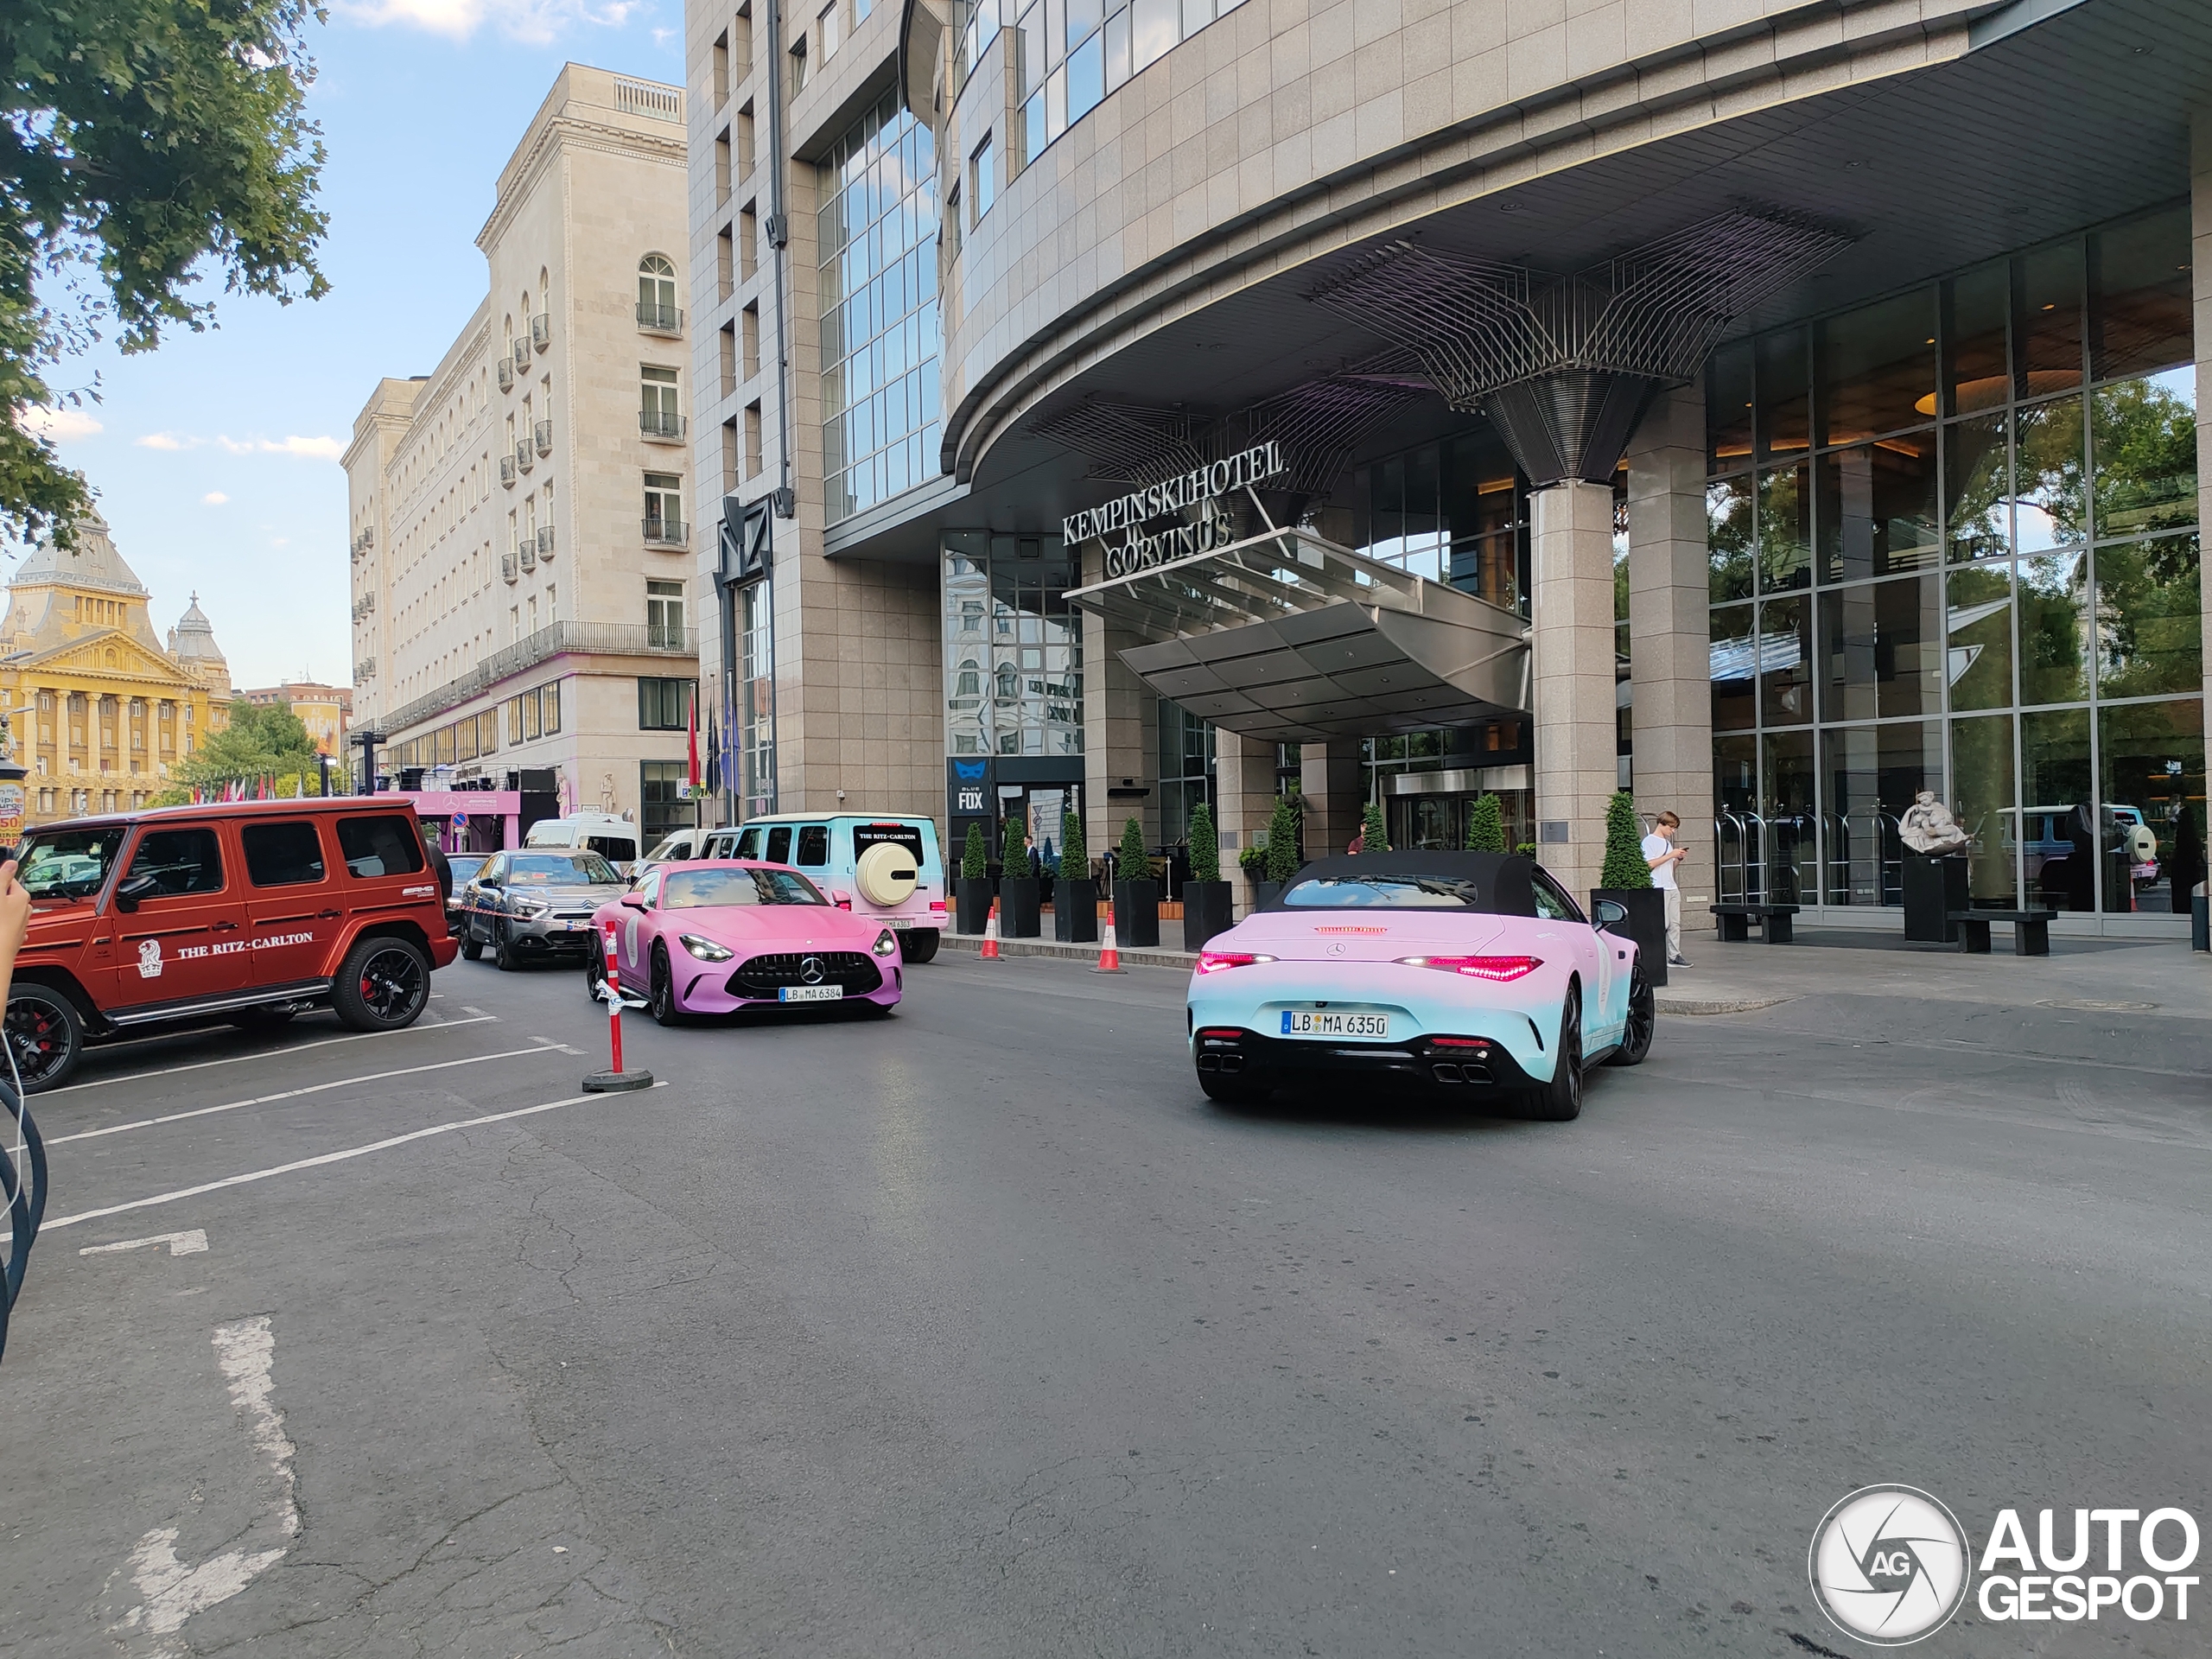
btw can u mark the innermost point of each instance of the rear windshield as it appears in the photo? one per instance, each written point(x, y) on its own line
point(560, 870)
point(701, 889)
point(68, 863)
point(865, 835)
point(1383, 891)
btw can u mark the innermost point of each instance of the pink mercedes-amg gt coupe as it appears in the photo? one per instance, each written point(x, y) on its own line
point(726, 934)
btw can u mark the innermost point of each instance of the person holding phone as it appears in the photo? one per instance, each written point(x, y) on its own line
point(1661, 855)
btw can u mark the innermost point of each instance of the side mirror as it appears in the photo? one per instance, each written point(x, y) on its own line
point(132, 890)
point(635, 900)
point(840, 898)
point(1610, 911)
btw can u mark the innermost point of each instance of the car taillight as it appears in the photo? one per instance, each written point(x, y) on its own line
point(1498, 970)
point(936, 904)
point(1222, 1034)
point(1215, 961)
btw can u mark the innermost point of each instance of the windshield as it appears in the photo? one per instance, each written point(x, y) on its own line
point(561, 870)
point(467, 864)
point(1383, 891)
point(699, 889)
point(68, 863)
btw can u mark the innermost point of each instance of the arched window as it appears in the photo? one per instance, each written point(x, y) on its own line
point(969, 682)
point(656, 291)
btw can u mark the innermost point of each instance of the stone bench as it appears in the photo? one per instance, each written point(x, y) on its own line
point(1735, 921)
point(2030, 930)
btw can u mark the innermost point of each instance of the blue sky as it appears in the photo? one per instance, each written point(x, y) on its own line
point(215, 458)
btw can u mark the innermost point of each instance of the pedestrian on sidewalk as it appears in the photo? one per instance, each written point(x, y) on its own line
point(1661, 855)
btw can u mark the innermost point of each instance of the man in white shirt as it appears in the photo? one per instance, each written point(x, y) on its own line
point(1661, 855)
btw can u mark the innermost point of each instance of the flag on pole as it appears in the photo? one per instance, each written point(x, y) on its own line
point(691, 741)
point(713, 756)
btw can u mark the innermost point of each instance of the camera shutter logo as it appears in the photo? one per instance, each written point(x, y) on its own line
point(1889, 1565)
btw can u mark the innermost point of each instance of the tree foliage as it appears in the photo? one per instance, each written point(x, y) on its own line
point(1205, 845)
point(146, 146)
point(1132, 862)
point(262, 740)
point(1285, 829)
point(1374, 830)
point(975, 862)
point(1075, 857)
point(1486, 825)
point(1016, 860)
point(1625, 866)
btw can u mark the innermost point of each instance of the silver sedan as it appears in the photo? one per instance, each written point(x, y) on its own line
point(536, 906)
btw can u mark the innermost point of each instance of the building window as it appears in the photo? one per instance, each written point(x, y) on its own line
point(880, 333)
point(662, 808)
point(657, 293)
point(660, 412)
point(663, 507)
point(755, 721)
point(1017, 688)
point(549, 707)
point(827, 31)
point(665, 615)
point(1953, 546)
point(983, 180)
point(665, 705)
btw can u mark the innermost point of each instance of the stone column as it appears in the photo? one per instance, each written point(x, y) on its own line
point(1119, 738)
point(1329, 779)
point(1245, 785)
point(2200, 288)
point(1669, 658)
point(1571, 649)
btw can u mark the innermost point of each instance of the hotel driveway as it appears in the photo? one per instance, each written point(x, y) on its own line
point(976, 1332)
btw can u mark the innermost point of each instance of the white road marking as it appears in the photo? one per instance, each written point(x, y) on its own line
point(171, 1592)
point(294, 1094)
point(193, 1241)
point(257, 1054)
point(326, 1157)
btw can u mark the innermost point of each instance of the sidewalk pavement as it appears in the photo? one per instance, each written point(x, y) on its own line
point(2160, 976)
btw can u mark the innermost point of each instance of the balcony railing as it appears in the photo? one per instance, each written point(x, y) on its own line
point(506, 374)
point(541, 330)
point(602, 638)
point(521, 351)
point(526, 551)
point(524, 459)
point(545, 544)
point(664, 533)
point(656, 319)
point(507, 471)
point(661, 426)
point(542, 434)
point(510, 570)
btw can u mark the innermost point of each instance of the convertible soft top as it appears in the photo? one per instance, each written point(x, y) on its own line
point(1496, 884)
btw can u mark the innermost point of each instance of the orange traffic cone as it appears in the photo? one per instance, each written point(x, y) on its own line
point(1109, 956)
point(991, 951)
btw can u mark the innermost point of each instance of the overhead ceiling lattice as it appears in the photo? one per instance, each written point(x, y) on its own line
point(1128, 443)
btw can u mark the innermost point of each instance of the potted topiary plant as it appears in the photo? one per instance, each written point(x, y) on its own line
point(972, 892)
point(1136, 895)
point(1486, 825)
point(1374, 830)
point(1075, 895)
point(1206, 897)
point(1626, 880)
point(1283, 853)
point(1020, 894)
point(1253, 861)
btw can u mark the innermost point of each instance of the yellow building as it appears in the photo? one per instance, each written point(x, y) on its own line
point(100, 707)
point(325, 710)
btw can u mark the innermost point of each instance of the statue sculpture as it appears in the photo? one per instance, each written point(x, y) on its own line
point(1928, 827)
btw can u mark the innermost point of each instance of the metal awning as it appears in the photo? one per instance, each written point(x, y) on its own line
point(1289, 636)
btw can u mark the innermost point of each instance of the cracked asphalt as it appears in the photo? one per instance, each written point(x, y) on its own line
point(977, 1331)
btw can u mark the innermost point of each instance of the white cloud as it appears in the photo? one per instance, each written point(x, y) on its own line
point(534, 20)
point(315, 448)
point(62, 425)
point(325, 449)
point(165, 440)
point(214, 498)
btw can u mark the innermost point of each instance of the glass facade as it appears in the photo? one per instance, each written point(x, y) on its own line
point(1012, 648)
point(1187, 770)
point(753, 722)
point(881, 331)
point(1953, 546)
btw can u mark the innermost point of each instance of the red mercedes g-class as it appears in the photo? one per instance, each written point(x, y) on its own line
point(249, 911)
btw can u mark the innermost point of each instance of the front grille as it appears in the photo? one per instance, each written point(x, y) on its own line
point(851, 971)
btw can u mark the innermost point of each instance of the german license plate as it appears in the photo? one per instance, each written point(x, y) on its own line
point(811, 992)
point(1320, 1022)
point(899, 921)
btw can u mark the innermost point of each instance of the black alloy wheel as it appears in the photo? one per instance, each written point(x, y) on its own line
point(1643, 1020)
point(917, 944)
point(595, 976)
point(503, 954)
point(1560, 1101)
point(46, 1036)
point(382, 985)
point(472, 948)
point(662, 1000)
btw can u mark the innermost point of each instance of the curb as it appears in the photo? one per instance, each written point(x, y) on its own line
point(1718, 1005)
point(972, 943)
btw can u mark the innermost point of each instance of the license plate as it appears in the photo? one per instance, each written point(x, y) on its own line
point(811, 992)
point(899, 921)
point(1329, 1023)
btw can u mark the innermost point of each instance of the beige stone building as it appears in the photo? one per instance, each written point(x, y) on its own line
point(522, 576)
point(326, 711)
point(101, 706)
point(1779, 409)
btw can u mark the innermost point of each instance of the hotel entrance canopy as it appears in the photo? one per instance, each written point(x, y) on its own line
point(1288, 637)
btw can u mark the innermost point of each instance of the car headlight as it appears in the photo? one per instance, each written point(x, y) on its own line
point(529, 907)
point(887, 944)
point(706, 949)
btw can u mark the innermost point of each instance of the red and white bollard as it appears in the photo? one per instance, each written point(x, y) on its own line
point(614, 1079)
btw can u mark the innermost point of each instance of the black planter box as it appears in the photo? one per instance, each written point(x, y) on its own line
point(972, 904)
point(1136, 913)
point(1265, 893)
point(1019, 898)
point(1935, 885)
point(1075, 912)
point(1646, 924)
point(1207, 910)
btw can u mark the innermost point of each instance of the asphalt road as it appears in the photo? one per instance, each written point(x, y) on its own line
point(977, 1331)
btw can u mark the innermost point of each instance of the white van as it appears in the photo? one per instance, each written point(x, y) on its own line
point(681, 848)
point(879, 864)
point(614, 839)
